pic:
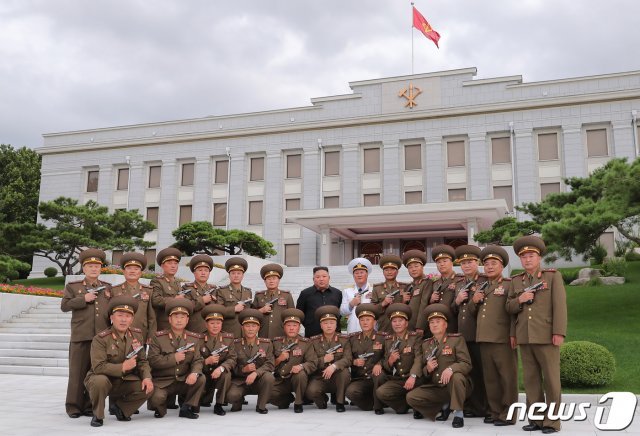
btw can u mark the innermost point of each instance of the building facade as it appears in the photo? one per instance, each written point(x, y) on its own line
point(399, 163)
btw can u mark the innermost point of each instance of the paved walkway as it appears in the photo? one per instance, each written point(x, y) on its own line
point(34, 405)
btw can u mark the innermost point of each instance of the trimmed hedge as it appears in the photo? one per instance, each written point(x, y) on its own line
point(586, 364)
point(50, 272)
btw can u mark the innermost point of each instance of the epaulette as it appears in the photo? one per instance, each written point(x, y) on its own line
point(237, 340)
point(104, 333)
point(388, 337)
point(459, 277)
point(162, 333)
point(383, 334)
point(76, 282)
point(316, 336)
point(435, 277)
point(135, 329)
point(194, 334)
point(354, 334)
point(454, 335)
point(244, 288)
point(145, 286)
point(303, 339)
point(518, 275)
point(261, 292)
point(104, 283)
point(227, 335)
point(506, 279)
point(378, 284)
point(429, 340)
point(288, 292)
point(549, 270)
point(264, 340)
point(189, 285)
point(413, 333)
point(343, 336)
point(278, 339)
point(483, 275)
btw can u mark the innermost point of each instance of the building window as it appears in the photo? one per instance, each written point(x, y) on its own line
point(150, 255)
point(292, 254)
point(185, 214)
point(548, 188)
point(458, 194)
point(292, 204)
point(154, 176)
point(152, 215)
point(371, 160)
point(548, 146)
point(332, 202)
point(500, 150)
point(222, 171)
point(413, 157)
point(219, 214)
point(371, 199)
point(92, 181)
point(332, 163)
point(255, 213)
point(294, 166)
point(187, 174)
point(116, 257)
point(123, 179)
point(504, 192)
point(455, 154)
point(597, 143)
point(257, 169)
point(413, 197)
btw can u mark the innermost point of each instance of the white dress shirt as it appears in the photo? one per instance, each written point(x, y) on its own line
point(348, 294)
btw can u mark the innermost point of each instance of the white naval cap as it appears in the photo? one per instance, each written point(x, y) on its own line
point(359, 263)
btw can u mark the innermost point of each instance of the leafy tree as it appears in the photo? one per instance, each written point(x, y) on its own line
point(506, 230)
point(203, 237)
point(11, 268)
point(19, 184)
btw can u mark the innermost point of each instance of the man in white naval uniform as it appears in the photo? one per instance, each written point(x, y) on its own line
point(359, 293)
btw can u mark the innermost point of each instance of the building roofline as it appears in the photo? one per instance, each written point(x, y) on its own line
point(471, 70)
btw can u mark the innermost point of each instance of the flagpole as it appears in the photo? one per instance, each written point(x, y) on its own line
point(412, 38)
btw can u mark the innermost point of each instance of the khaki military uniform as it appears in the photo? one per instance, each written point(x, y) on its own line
point(87, 320)
point(106, 378)
point(417, 288)
point(302, 353)
point(208, 344)
point(339, 381)
point(380, 291)
point(362, 389)
point(272, 326)
point(196, 322)
point(535, 324)
point(392, 392)
point(229, 297)
point(163, 287)
point(429, 397)
point(168, 376)
point(446, 287)
point(263, 385)
point(145, 317)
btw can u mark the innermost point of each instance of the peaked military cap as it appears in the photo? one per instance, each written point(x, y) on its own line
point(292, 314)
point(169, 253)
point(398, 309)
point(437, 310)
point(367, 309)
point(529, 243)
point(467, 252)
point(250, 315)
point(271, 269)
point(495, 252)
point(92, 255)
point(133, 258)
point(414, 256)
point(236, 264)
point(123, 303)
point(443, 252)
point(178, 305)
point(390, 261)
point(327, 312)
point(359, 263)
point(200, 260)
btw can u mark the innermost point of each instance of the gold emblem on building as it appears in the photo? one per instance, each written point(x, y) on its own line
point(410, 94)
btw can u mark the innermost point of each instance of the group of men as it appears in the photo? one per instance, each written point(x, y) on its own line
point(440, 345)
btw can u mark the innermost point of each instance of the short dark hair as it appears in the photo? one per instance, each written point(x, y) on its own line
point(320, 268)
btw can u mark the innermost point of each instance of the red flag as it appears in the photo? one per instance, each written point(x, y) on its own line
point(420, 23)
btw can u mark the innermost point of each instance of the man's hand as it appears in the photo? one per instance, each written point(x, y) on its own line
point(239, 307)
point(180, 356)
point(179, 296)
point(251, 378)
point(358, 362)
point(216, 373)
point(432, 364)
point(356, 300)
point(89, 297)
point(212, 360)
point(377, 370)
point(393, 357)
point(557, 340)
point(296, 369)
point(387, 301)
point(328, 372)
point(478, 297)
point(446, 376)
point(461, 297)
point(435, 297)
point(283, 357)
point(206, 299)
point(266, 308)
point(249, 368)
point(144, 296)
point(406, 296)
point(410, 383)
point(524, 297)
point(191, 379)
point(147, 386)
point(129, 364)
point(328, 358)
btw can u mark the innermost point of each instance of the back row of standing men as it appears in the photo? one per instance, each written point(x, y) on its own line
point(486, 317)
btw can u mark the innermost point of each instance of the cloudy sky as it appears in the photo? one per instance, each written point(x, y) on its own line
point(78, 64)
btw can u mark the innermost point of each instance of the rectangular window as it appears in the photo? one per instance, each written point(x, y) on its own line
point(548, 146)
point(116, 257)
point(185, 215)
point(92, 181)
point(123, 179)
point(458, 194)
point(500, 150)
point(257, 169)
point(187, 174)
point(504, 192)
point(332, 163)
point(255, 212)
point(331, 202)
point(222, 171)
point(455, 154)
point(548, 188)
point(292, 254)
point(413, 197)
point(220, 214)
point(152, 215)
point(292, 204)
point(150, 255)
point(597, 143)
point(154, 176)
point(413, 157)
point(371, 199)
point(294, 166)
point(372, 160)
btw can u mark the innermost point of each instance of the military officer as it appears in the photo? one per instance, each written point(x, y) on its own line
point(253, 374)
point(126, 380)
point(145, 318)
point(445, 364)
point(400, 363)
point(272, 301)
point(176, 363)
point(540, 328)
point(359, 293)
point(333, 358)
point(390, 264)
point(499, 358)
point(468, 257)
point(367, 348)
point(88, 301)
point(219, 356)
point(234, 295)
point(201, 292)
point(294, 361)
point(165, 285)
point(414, 261)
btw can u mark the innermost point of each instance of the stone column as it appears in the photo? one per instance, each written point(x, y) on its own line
point(351, 177)
point(574, 152)
point(237, 201)
point(168, 213)
point(106, 185)
point(137, 187)
point(479, 168)
point(273, 203)
point(202, 208)
point(310, 200)
point(325, 245)
point(525, 180)
point(434, 169)
point(391, 177)
point(623, 144)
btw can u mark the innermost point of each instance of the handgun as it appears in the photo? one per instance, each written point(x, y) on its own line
point(185, 347)
point(433, 353)
point(210, 291)
point(362, 291)
point(185, 291)
point(437, 291)
point(395, 346)
point(96, 290)
point(365, 356)
point(253, 358)
point(466, 288)
point(333, 349)
point(134, 352)
point(247, 301)
point(137, 296)
point(394, 293)
point(273, 300)
point(288, 347)
point(533, 288)
point(220, 350)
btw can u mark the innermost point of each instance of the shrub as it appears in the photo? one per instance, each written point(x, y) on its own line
point(632, 256)
point(598, 254)
point(569, 274)
point(586, 364)
point(615, 267)
point(50, 272)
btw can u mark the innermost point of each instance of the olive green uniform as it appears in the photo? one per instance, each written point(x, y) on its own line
point(145, 317)
point(272, 326)
point(339, 381)
point(198, 290)
point(380, 291)
point(301, 353)
point(446, 287)
point(362, 389)
point(163, 287)
point(230, 297)
point(208, 345)
point(263, 385)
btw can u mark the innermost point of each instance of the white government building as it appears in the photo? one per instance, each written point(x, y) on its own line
point(399, 163)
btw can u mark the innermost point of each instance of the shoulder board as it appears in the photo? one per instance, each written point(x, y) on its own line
point(227, 335)
point(403, 284)
point(189, 285)
point(74, 282)
point(549, 270)
point(104, 333)
point(483, 275)
point(159, 276)
point(316, 336)
point(351, 335)
point(383, 334)
point(413, 333)
point(264, 340)
point(162, 333)
point(237, 340)
point(518, 275)
point(194, 334)
point(246, 289)
point(303, 339)
point(378, 284)
point(343, 336)
point(145, 286)
point(223, 287)
point(388, 337)
point(428, 340)
point(278, 339)
point(135, 329)
point(261, 292)
point(459, 278)
point(104, 283)
point(506, 279)
point(453, 335)
point(288, 292)
point(117, 286)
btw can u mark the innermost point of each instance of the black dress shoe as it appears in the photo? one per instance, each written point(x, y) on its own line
point(157, 414)
point(306, 402)
point(87, 413)
point(297, 408)
point(548, 430)
point(218, 410)
point(333, 399)
point(95, 422)
point(457, 422)
point(186, 412)
point(112, 410)
point(501, 423)
point(340, 407)
point(261, 411)
point(417, 415)
point(120, 414)
point(488, 420)
point(444, 415)
point(531, 427)
point(469, 414)
point(379, 411)
point(75, 415)
point(205, 404)
point(245, 402)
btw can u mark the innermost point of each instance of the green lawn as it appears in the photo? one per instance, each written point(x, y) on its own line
point(56, 283)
